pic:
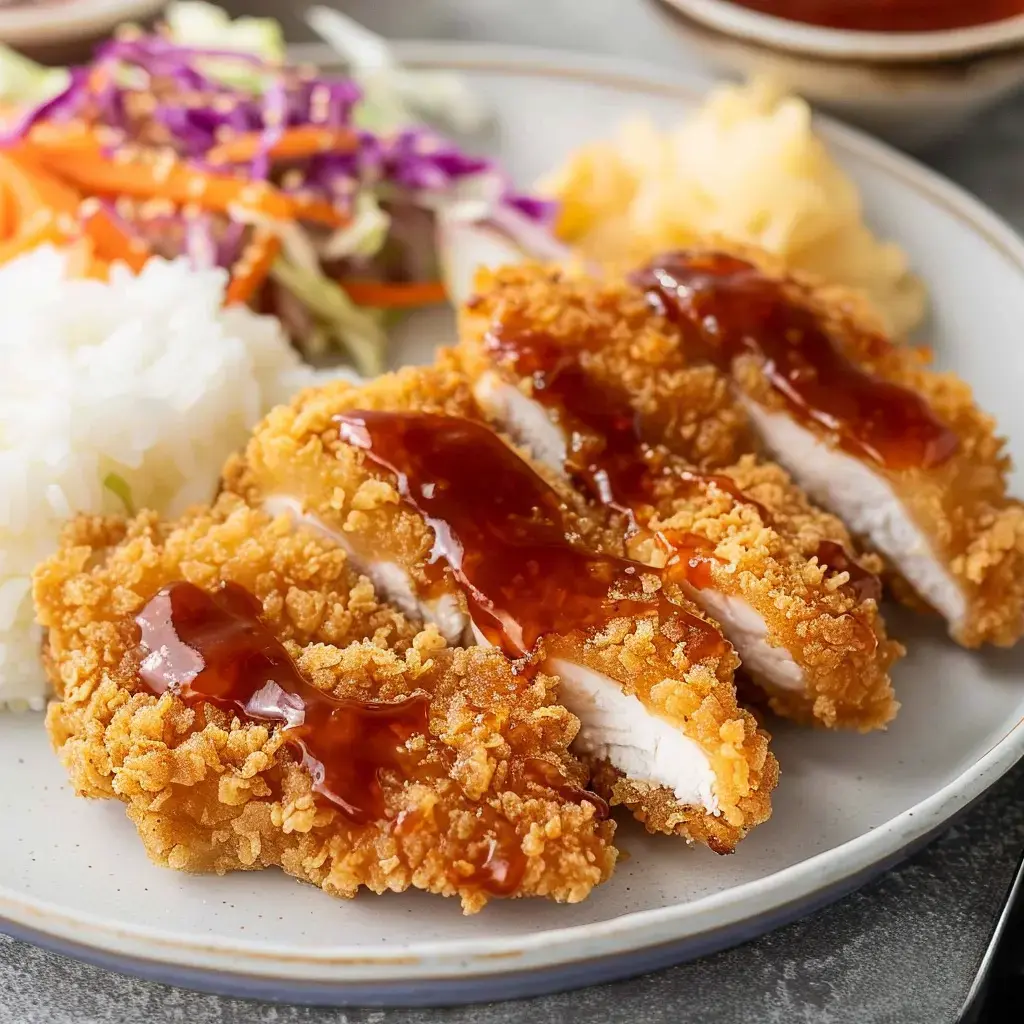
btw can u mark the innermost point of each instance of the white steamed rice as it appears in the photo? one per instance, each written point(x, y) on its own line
point(147, 378)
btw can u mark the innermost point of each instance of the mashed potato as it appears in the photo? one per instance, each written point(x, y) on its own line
point(747, 166)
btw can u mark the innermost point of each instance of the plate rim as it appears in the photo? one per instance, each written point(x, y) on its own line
point(479, 957)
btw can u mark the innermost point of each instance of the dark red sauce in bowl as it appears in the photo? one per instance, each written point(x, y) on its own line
point(888, 15)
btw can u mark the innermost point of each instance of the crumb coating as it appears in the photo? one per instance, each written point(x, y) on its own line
point(297, 451)
point(975, 528)
point(767, 560)
point(211, 793)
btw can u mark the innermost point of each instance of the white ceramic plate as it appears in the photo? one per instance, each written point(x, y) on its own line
point(73, 876)
point(57, 22)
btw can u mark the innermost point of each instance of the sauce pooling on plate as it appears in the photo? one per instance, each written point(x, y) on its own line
point(503, 532)
point(889, 15)
point(213, 648)
point(734, 310)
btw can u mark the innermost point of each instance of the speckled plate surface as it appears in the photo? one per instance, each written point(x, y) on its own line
point(73, 876)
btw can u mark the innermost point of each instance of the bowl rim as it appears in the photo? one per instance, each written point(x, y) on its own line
point(55, 23)
point(816, 40)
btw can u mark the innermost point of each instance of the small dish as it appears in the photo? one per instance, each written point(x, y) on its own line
point(52, 24)
point(844, 44)
point(910, 88)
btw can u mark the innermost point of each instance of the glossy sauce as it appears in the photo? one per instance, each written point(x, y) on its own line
point(734, 310)
point(213, 648)
point(501, 869)
point(889, 15)
point(694, 553)
point(862, 584)
point(541, 772)
point(504, 534)
point(606, 454)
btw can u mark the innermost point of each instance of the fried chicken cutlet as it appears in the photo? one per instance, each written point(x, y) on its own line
point(774, 571)
point(240, 688)
point(898, 450)
point(466, 532)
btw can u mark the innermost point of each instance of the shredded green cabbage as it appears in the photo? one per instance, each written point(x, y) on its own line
point(364, 235)
point(195, 23)
point(23, 81)
point(120, 488)
point(360, 332)
point(394, 96)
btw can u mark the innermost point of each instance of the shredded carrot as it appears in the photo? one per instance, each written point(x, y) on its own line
point(41, 230)
point(109, 240)
point(82, 260)
point(253, 266)
point(163, 175)
point(382, 295)
point(8, 213)
point(34, 190)
point(294, 144)
point(68, 137)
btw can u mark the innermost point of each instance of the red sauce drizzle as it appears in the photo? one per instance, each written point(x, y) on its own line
point(212, 648)
point(606, 454)
point(889, 15)
point(541, 772)
point(503, 532)
point(694, 553)
point(500, 871)
point(862, 584)
point(736, 310)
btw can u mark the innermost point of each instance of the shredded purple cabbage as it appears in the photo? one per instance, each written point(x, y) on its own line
point(50, 109)
point(154, 92)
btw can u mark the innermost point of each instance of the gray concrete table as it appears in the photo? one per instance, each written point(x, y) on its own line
point(903, 950)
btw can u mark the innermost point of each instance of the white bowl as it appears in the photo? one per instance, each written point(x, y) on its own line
point(846, 44)
point(49, 25)
point(911, 88)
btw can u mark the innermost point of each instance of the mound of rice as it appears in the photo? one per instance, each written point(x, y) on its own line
point(127, 393)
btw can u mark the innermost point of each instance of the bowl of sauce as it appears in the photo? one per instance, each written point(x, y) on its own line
point(911, 71)
point(878, 30)
point(889, 15)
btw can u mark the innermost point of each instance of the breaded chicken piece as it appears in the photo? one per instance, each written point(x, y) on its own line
point(482, 798)
point(653, 688)
point(934, 502)
point(538, 347)
point(948, 530)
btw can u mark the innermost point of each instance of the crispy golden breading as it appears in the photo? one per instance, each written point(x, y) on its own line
point(961, 506)
point(834, 637)
point(209, 792)
point(622, 342)
point(297, 452)
point(296, 462)
point(976, 531)
point(761, 553)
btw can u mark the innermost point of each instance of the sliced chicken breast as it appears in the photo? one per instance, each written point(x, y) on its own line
point(898, 450)
point(280, 716)
point(751, 549)
point(398, 470)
